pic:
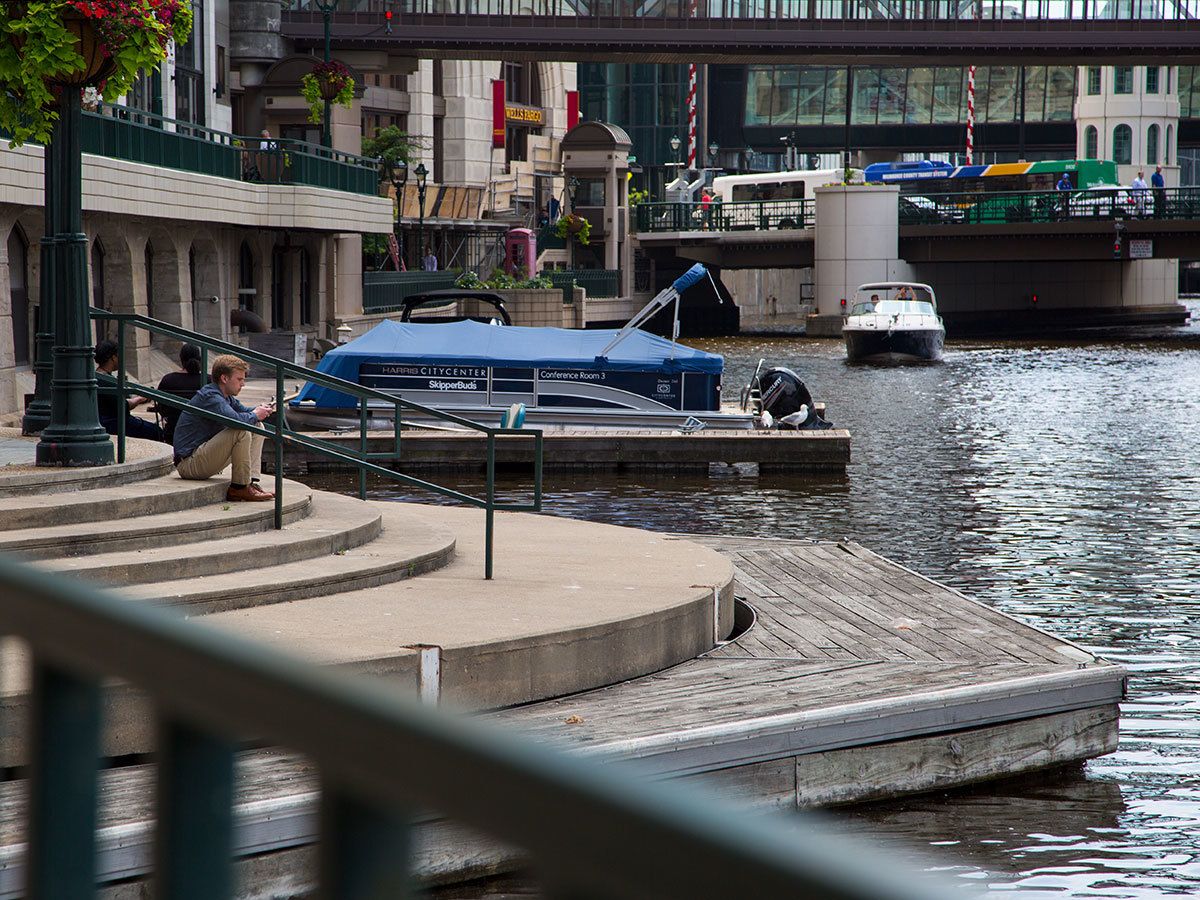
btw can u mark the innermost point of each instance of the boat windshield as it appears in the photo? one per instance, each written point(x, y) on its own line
point(904, 307)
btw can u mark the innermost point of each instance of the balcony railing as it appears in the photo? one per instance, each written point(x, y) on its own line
point(142, 137)
point(385, 291)
point(741, 215)
point(597, 282)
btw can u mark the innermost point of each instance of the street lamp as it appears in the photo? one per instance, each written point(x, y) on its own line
point(573, 190)
point(712, 153)
point(398, 175)
point(676, 143)
point(327, 8)
point(421, 172)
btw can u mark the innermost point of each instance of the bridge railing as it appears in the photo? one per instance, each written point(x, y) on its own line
point(740, 215)
point(1132, 11)
point(1111, 204)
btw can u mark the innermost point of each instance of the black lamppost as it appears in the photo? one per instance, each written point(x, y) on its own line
point(421, 172)
point(73, 436)
point(712, 153)
point(676, 143)
point(37, 416)
point(573, 190)
point(327, 8)
point(398, 175)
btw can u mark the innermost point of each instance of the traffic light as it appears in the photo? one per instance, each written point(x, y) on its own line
point(1117, 247)
point(387, 20)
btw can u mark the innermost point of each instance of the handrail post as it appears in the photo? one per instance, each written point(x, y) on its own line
point(362, 446)
point(396, 442)
point(278, 447)
point(491, 506)
point(537, 470)
point(122, 403)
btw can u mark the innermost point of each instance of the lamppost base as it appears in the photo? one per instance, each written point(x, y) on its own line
point(74, 450)
point(35, 420)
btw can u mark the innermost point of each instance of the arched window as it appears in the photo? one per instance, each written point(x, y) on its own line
point(1091, 142)
point(98, 275)
point(1168, 145)
point(1152, 145)
point(1122, 145)
point(19, 293)
point(306, 304)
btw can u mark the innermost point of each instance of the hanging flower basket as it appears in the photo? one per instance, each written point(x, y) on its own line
point(49, 45)
point(575, 225)
point(328, 82)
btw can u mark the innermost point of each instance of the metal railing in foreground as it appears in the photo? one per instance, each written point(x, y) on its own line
point(738, 215)
point(1109, 204)
point(279, 433)
point(589, 829)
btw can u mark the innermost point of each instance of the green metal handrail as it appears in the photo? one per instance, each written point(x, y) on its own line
point(1106, 204)
point(280, 434)
point(739, 215)
point(385, 291)
point(138, 136)
point(591, 830)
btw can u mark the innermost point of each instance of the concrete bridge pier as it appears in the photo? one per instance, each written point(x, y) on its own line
point(857, 240)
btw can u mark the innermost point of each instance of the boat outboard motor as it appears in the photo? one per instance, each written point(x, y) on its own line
point(787, 401)
point(782, 392)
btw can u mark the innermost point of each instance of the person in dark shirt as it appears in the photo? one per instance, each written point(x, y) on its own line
point(204, 447)
point(107, 402)
point(182, 384)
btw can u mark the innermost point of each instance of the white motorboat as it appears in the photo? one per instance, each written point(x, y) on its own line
point(893, 321)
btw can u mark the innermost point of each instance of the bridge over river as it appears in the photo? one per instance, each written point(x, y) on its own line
point(1090, 252)
point(816, 32)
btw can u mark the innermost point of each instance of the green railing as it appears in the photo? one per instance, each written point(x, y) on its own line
point(741, 215)
point(385, 291)
point(279, 433)
point(547, 239)
point(1110, 204)
point(138, 136)
point(590, 830)
point(597, 282)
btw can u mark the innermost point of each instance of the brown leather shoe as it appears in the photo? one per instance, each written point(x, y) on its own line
point(246, 494)
point(270, 495)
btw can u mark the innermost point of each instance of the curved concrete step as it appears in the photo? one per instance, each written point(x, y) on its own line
point(186, 526)
point(337, 523)
point(409, 545)
point(143, 460)
point(164, 493)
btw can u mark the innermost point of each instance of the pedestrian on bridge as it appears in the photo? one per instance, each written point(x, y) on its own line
point(1140, 193)
point(1159, 185)
point(1064, 185)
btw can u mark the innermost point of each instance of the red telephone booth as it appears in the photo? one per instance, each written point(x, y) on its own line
point(520, 253)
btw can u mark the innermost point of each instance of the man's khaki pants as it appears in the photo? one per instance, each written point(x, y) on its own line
point(229, 445)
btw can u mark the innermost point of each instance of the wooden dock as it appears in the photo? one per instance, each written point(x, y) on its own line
point(773, 452)
point(852, 679)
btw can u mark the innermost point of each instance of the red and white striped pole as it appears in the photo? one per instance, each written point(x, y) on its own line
point(691, 105)
point(970, 115)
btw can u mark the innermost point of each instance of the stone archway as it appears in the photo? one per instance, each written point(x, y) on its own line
point(206, 281)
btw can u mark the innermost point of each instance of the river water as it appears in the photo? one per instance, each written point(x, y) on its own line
point(1056, 480)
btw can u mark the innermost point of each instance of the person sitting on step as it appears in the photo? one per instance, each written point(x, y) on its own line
point(106, 398)
point(204, 447)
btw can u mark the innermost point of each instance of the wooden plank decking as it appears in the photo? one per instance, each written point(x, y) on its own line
point(859, 679)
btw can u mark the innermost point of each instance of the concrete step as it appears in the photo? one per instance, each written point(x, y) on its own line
point(213, 521)
point(337, 523)
point(408, 545)
point(144, 459)
point(165, 493)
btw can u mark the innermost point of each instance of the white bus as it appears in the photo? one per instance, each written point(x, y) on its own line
point(797, 185)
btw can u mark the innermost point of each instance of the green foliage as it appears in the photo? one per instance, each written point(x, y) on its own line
point(332, 73)
point(38, 51)
point(500, 280)
point(636, 197)
point(571, 224)
point(391, 145)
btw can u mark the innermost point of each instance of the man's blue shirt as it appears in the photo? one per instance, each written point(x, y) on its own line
point(194, 430)
point(1156, 180)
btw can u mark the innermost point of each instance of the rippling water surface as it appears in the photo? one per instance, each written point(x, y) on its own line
point(1055, 480)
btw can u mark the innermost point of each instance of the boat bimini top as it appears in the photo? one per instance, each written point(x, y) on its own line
point(894, 297)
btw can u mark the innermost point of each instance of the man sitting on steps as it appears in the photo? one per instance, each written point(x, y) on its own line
point(204, 447)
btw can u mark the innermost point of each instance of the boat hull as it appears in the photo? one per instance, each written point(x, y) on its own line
point(313, 418)
point(894, 345)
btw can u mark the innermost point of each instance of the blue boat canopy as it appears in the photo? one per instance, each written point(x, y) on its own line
point(477, 344)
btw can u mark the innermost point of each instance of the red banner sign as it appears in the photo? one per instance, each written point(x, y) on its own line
point(572, 109)
point(497, 113)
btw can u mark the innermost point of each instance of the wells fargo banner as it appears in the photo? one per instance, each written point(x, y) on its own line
point(524, 115)
point(497, 113)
